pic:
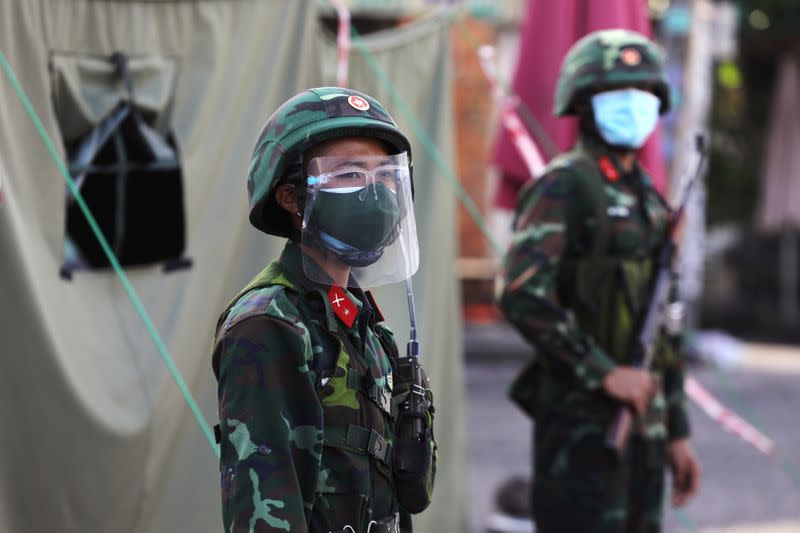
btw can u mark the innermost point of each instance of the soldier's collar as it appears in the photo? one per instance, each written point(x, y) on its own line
point(291, 260)
point(608, 162)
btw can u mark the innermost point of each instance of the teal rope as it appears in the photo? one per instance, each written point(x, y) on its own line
point(525, 113)
point(426, 140)
point(685, 521)
point(681, 515)
point(162, 349)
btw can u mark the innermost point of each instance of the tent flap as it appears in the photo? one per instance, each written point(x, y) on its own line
point(86, 88)
point(96, 435)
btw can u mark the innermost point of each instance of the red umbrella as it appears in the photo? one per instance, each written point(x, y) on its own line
point(550, 28)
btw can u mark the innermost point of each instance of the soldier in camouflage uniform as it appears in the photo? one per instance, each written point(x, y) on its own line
point(308, 387)
point(574, 282)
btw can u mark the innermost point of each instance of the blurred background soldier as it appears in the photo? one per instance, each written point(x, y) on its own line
point(575, 282)
point(316, 430)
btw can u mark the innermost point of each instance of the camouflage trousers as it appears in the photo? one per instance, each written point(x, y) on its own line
point(580, 486)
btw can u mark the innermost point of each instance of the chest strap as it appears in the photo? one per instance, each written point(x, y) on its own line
point(360, 440)
point(366, 384)
point(597, 191)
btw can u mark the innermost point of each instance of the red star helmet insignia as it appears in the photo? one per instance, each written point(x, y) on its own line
point(630, 56)
point(358, 103)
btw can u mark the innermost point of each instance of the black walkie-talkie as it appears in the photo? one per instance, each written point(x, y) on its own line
point(412, 445)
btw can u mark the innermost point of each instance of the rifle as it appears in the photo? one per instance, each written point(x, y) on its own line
point(644, 343)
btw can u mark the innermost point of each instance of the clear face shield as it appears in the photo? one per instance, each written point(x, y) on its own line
point(359, 212)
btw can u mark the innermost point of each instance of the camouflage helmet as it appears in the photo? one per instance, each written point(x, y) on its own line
point(303, 121)
point(607, 59)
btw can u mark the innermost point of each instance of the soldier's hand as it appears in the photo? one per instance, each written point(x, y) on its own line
point(633, 386)
point(686, 472)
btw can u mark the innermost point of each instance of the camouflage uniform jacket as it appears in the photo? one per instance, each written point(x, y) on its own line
point(584, 236)
point(305, 407)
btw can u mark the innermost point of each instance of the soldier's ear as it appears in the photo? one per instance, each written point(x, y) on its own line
point(583, 103)
point(585, 113)
point(286, 197)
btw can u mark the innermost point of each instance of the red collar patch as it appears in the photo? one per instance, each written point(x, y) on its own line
point(342, 305)
point(608, 169)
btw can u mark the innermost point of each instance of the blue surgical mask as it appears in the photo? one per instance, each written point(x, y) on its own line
point(626, 117)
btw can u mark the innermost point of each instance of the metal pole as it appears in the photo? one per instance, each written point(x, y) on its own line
point(693, 119)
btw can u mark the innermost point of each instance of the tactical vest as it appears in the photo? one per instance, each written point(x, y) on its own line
point(608, 294)
point(356, 484)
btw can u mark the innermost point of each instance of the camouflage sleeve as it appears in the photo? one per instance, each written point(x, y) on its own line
point(271, 421)
point(677, 418)
point(545, 220)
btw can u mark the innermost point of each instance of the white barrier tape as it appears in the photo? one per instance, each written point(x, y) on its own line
point(486, 54)
point(729, 420)
point(522, 140)
point(520, 136)
point(343, 43)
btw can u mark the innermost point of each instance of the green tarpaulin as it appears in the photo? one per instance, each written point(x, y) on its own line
point(96, 436)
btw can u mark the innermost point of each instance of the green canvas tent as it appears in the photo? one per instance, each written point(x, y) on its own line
point(97, 436)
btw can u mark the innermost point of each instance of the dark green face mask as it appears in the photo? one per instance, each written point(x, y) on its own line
point(364, 219)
